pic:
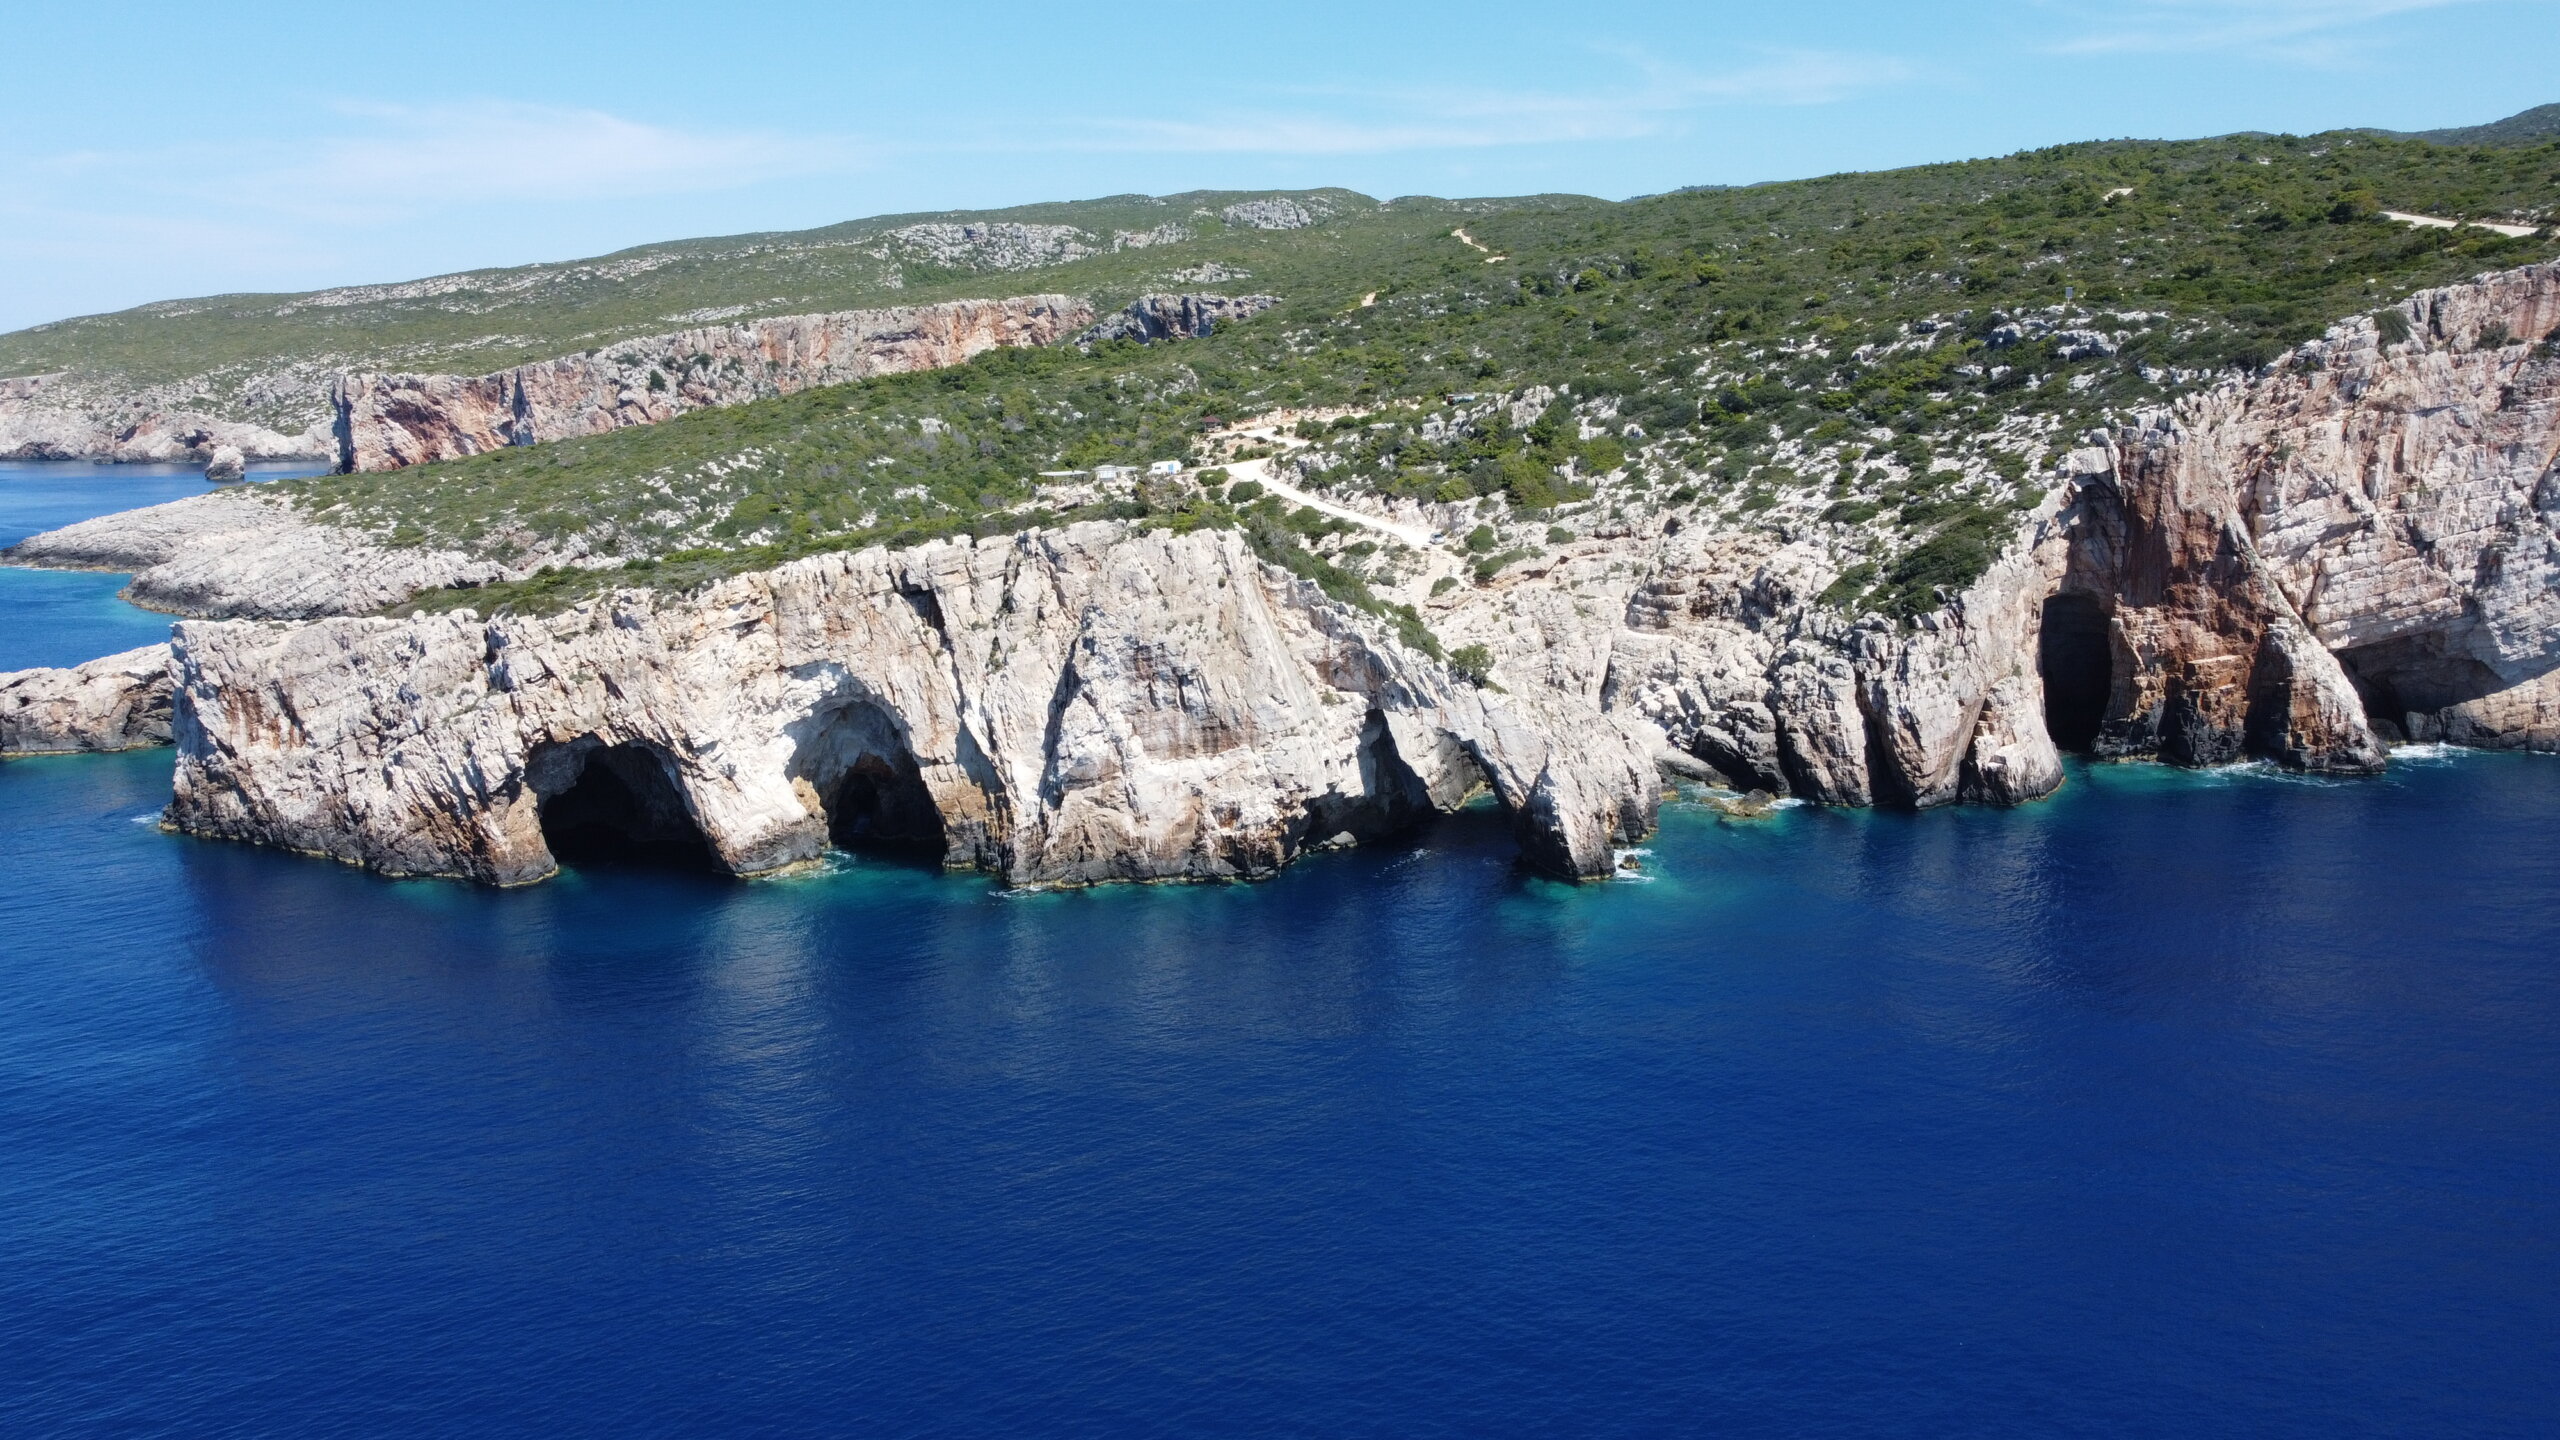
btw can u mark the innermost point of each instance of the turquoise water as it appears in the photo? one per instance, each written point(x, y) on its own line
point(2219, 1104)
point(57, 617)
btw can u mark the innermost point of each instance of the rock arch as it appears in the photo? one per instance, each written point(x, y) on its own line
point(856, 760)
point(616, 805)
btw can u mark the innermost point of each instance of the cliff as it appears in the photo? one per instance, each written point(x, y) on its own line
point(384, 422)
point(2356, 548)
point(2352, 548)
point(118, 703)
point(1176, 317)
point(1056, 707)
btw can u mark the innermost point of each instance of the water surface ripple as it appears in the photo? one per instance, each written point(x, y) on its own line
point(2179, 1105)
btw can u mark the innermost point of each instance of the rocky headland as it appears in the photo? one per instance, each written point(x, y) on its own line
point(2353, 547)
point(1094, 703)
point(120, 702)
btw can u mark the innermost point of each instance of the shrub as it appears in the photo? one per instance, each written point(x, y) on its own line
point(1474, 663)
point(1244, 492)
point(1850, 584)
point(2392, 326)
point(1558, 535)
point(2493, 336)
point(1481, 540)
point(1443, 586)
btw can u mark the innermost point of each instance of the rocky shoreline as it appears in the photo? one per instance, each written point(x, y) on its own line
point(2357, 547)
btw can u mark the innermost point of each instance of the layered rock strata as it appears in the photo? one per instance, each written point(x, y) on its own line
point(384, 422)
point(1058, 707)
point(119, 703)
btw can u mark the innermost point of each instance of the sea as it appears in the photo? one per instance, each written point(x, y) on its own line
point(2182, 1104)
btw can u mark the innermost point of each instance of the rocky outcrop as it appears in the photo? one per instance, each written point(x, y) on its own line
point(1150, 318)
point(1057, 707)
point(247, 553)
point(2361, 546)
point(118, 703)
point(384, 422)
point(228, 466)
point(53, 417)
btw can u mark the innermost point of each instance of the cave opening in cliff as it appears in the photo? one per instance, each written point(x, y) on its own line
point(855, 756)
point(882, 805)
point(617, 806)
point(2076, 658)
point(2408, 682)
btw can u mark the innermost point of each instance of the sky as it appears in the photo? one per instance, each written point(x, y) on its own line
point(151, 151)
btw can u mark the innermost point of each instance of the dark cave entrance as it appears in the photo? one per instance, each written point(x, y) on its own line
point(856, 757)
point(2077, 660)
point(616, 806)
point(2407, 680)
point(881, 804)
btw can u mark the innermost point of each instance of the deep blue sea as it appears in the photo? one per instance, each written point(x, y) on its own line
point(2180, 1105)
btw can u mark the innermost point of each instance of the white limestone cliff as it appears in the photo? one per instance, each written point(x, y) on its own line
point(2361, 545)
point(1060, 707)
point(120, 702)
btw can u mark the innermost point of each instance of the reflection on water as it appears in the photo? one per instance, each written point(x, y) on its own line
point(2175, 1105)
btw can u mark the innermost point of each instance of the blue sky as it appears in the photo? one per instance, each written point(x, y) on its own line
point(159, 150)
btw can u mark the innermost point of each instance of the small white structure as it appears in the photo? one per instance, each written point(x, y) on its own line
point(1165, 467)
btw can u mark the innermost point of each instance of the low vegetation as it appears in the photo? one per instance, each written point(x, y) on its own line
point(1887, 360)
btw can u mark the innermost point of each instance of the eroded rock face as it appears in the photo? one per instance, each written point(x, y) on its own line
point(2404, 500)
point(1059, 707)
point(2361, 546)
point(117, 703)
point(385, 422)
point(1150, 318)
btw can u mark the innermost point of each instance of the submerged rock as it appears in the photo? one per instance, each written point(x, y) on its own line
point(1758, 805)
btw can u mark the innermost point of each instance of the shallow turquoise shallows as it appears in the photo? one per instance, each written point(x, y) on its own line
point(2180, 1105)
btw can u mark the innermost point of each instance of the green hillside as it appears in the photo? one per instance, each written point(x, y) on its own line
point(1887, 359)
point(269, 357)
point(2531, 127)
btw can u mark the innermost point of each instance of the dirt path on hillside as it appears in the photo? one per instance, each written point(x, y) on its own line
point(2438, 222)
